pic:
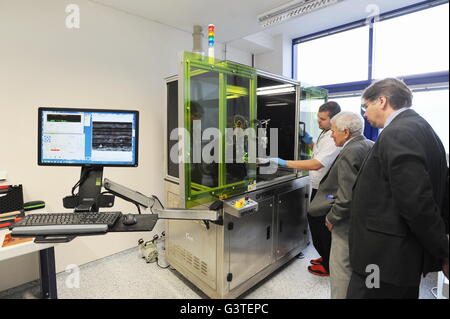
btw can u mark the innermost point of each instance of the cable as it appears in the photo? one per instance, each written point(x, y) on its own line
point(434, 293)
point(137, 205)
point(82, 180)
point(139, 209)
point(155, 197)
point(161, 266)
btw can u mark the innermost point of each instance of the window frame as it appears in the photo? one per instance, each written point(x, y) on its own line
point(358, 86)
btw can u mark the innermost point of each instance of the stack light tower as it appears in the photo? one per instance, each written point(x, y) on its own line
point(211, 40)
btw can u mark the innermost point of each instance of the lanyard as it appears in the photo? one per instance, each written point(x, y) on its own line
point(320, 136)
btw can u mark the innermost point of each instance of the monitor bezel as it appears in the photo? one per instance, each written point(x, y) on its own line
point(69, 109)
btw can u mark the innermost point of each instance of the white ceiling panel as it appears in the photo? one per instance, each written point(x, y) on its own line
point(237, 19)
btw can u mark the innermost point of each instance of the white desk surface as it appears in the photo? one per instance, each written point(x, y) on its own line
point(19, 249)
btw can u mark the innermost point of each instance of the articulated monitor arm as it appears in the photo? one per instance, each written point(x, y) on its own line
point(150, 203)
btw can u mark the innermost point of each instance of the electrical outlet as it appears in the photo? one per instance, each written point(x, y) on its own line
point(3, 175)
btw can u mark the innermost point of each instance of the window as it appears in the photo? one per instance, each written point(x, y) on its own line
point(348, 103)
point(433, 106)
point(412, 44)
point(341, 57)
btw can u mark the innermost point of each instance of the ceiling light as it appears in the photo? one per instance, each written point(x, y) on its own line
point(292, 9)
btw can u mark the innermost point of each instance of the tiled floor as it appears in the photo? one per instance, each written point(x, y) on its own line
point(125, 275)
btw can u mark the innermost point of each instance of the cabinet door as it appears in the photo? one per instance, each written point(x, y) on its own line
point(251, 243)
point(291, 221)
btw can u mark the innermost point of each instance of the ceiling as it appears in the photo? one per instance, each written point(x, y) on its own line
point(237, 19)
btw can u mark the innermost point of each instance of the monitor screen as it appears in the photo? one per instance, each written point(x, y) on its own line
point(78, 137)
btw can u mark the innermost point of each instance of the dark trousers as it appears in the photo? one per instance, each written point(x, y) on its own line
point(320, 235)
point(357, 289)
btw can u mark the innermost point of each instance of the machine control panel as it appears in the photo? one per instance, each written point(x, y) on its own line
point(240, 206)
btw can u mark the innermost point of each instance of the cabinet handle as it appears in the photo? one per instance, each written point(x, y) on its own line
point(268, 232)
point(281, 226)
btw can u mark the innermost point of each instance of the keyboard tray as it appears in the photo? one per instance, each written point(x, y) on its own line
point(144, 223)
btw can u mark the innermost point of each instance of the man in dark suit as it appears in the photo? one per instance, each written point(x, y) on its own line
point(334, 195)
point(397, 230)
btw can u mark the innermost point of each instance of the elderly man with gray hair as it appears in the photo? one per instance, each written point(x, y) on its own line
point(334, 195)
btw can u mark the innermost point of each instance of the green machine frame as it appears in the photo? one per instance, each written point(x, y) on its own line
point(193, 66)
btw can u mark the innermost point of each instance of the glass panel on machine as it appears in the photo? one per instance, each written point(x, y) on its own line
point(217, 95)
point(172, 124)
point(276, 104)
point(204, 119)
point(310, 101)
point(238, 120)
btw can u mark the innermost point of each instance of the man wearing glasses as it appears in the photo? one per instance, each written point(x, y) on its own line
point(397, 230)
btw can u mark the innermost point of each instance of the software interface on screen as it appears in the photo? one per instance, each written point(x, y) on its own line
point(88, 138)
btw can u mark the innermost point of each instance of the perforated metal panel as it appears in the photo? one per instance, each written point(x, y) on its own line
point(11, 198)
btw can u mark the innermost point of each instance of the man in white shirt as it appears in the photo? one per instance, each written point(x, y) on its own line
point(324, 153)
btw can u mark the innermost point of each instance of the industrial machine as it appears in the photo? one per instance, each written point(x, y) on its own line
point(224, 120)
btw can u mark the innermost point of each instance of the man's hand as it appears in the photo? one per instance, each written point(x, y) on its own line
point(330, 225)
point(278, 161)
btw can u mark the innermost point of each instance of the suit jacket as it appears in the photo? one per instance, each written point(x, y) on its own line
point(396, 220)
point(334, 195)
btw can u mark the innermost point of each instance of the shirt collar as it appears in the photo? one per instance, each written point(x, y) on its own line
point(393, 116)
point(348, 141)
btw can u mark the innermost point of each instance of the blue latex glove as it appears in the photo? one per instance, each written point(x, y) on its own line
point(278, 161)
point(306, 138)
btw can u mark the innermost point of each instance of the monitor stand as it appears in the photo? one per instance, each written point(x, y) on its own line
point(90, 188)
point(89, 197)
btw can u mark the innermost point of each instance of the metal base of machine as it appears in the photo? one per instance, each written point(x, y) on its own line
point(224, 261)
point(239, 290)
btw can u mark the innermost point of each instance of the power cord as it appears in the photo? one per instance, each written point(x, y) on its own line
point(161, 266)
point(155, 199)
point(138, 208)
point(432, 290)
point(81, 181)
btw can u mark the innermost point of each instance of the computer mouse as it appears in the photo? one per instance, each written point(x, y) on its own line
point(129, 220)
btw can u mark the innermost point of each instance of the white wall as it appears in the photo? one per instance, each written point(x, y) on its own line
point(278, 60)
point(115, 60)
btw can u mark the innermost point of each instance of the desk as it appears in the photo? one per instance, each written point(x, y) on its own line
point(46, 262)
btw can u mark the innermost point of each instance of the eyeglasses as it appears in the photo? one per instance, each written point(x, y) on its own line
point(364, 107)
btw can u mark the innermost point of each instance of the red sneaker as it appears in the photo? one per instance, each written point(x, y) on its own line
point(317, 261)
point(318, 270)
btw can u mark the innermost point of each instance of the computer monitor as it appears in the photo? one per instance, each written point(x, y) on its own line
point(91, 139)
point(79, 137)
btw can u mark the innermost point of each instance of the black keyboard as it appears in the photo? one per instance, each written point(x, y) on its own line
point(65, 223)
